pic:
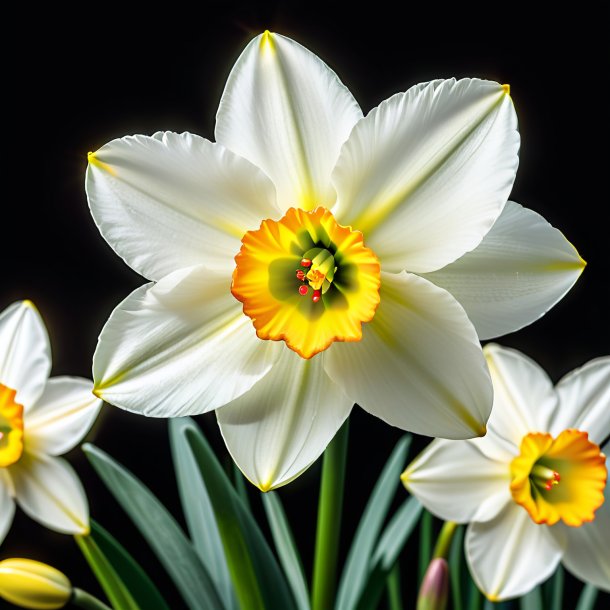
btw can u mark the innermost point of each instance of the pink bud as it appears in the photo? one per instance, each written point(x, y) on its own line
point(435, 586)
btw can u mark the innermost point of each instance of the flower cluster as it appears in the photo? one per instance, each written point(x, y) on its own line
point(309, 259)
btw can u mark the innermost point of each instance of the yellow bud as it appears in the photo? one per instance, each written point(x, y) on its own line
point(31, 584)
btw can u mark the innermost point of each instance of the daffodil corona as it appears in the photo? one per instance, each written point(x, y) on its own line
point(534, 487)
point(312, 258)
point(40, 418)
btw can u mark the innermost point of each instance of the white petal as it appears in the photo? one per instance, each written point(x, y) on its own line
point(49, 491)
point(175, 200)
point(584, 401)
point(509, 555)
point(426, 173)
point(25, 353)
point(456, 481)
point(179, 347)
point(62, 416)
point(286, 111)
point(283, 424)
point(587, 553)
point(515, 275)
point(419, 365)
point(7, 506)
point(524, 398)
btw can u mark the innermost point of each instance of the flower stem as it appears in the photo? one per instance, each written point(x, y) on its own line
point(443, 542)
point(330, 507)
point(86, 601)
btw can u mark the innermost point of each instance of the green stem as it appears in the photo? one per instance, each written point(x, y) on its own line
point(393, 585)
point(330, 507)
point(86, 601)
point(425, 543)
point(443, 542)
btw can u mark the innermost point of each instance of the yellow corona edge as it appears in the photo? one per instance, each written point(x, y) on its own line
point(506, 89)
point(32, 584)
point(560, 478)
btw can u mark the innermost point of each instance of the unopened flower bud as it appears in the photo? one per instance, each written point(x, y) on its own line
point(31, 584)
point(435, 586)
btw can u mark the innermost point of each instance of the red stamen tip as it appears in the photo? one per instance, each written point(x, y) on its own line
point(305, 262)
point(303, 290)
point(556, 476)
point(548, 486)
point(300, 275)
point(316, 296)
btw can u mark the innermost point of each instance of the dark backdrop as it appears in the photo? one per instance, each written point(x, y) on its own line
point(111, 71)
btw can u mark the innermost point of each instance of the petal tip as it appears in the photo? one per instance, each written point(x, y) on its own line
point(267, 42)
point(27, 303)
point(93, 160)
point(266, 486)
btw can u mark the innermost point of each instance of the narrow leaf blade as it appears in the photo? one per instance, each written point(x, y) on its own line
point(258, 580)
point(357, 566)
point(588, 597)
point(199, 513)
point(136, 580)
point(532, 600)
point(286, 548)
point(160, 530)
point(107, 576)
point(391, 544)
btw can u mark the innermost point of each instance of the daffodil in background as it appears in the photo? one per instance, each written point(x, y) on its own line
point(312, 258)
point(533, 489)
point(40, 418)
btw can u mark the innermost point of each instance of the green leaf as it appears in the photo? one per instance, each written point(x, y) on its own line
point(160, 530)
point(532, 600)
point(425, 544)
point(286, 548)
point(455, 567)
point(556, 588)
point(199, 514)
point(110, 581)
point(258, 580)
point(394, 588)
point(386, 554)
point(475, 598)
point(588, 597)
point(136, 580)
point(358, 563)
point(240, 486)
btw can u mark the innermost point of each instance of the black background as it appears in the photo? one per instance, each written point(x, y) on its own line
point(78, 80)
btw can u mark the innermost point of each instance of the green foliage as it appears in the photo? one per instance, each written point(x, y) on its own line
point(358, 563)
point(255, 573)
point(199, 513)
point(286, 548)
point(228, 565)
point(160, 530)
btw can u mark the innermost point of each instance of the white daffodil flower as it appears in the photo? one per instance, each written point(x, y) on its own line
point(40, 418)
point(265, 299)
point(533, 488)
